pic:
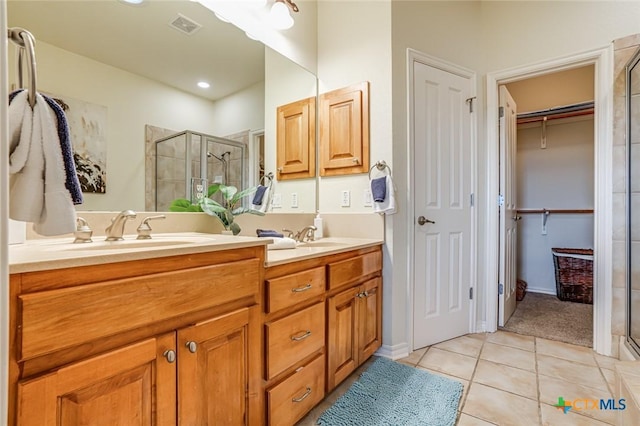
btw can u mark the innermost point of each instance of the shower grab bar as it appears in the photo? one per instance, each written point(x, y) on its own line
point(26, 44)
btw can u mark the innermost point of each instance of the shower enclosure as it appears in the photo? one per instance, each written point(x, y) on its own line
point(633, 203)
point(188, 162)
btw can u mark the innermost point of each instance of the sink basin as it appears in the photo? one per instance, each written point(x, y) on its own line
point(127, 244)
point(321, 244)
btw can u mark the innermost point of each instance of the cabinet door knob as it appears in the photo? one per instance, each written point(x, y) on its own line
point(303, 396)
point(356, 160)
point(170, 356)
point(302, 336)
point(192, 346)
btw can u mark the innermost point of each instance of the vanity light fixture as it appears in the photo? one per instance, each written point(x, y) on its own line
point(203, 85)
point(280, 16)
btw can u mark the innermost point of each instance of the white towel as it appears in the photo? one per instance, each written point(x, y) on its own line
point(388, 206)
point(281, 243)
point(37, 183)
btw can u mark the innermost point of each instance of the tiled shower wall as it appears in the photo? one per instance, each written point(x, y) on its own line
point(624, 49)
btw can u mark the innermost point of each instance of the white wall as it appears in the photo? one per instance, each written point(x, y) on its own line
point(558, 177)
point(243, 110)
point(354, 45)
point(486, 36)
point(132, 102)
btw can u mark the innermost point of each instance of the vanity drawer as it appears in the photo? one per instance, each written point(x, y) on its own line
point(351, 270)
point(290, 400)
point(62, 318)
point(294, 337)
point(295, 288)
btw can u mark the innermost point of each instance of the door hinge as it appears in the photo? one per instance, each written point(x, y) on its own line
point(471, 199)
point(471, 293)
point(500, 200)
point(500, 289)
point(501, 112)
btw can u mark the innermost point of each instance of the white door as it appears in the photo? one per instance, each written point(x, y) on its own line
point(508, 210)
point(442, 215)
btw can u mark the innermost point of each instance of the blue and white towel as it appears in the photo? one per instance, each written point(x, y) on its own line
point(37, 191)
point(388, 204)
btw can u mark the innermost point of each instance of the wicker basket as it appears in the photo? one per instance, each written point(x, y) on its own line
point(574, 274)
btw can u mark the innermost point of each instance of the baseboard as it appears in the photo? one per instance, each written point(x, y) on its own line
point(394, 352)
point(481, 327)
point(541, 290)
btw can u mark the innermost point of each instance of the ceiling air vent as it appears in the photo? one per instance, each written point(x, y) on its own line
point(184, 25)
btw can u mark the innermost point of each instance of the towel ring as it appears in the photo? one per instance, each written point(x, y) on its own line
point(26, 42)
point(380, 165)
point(267, 176)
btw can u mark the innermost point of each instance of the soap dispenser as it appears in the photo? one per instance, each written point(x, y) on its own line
point(317, 222)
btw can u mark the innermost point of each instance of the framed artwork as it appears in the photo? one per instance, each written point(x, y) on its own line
point(88, 132)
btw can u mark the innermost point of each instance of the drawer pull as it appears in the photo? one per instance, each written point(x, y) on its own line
point(170, 356)
point(301, 337)
point(192, 346)
point(303, 396)
point(301, 289)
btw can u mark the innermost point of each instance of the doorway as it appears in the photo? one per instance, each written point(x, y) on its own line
point(554, 190)
point(601, 60)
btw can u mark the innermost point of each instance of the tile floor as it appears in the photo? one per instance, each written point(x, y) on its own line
point(512, 379)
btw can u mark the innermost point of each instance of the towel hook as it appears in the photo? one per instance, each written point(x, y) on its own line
point(26, 43)
point(380, 165)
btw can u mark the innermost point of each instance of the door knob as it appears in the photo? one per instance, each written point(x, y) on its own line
point(170, 356)
point(422, 220)
point(192, 346)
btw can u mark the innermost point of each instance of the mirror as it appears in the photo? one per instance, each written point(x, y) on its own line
point(128, 74)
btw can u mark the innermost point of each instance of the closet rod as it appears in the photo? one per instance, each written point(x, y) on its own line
point(575, 110)
point(561, 211)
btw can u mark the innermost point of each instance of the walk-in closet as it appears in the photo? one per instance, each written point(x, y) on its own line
point(555, 201)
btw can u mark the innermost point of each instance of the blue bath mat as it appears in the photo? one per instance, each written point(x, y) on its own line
point(393, 394)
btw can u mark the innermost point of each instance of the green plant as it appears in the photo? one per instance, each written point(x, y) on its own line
point(225, 212)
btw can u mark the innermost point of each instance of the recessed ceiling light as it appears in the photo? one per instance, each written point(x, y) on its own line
point(132, 1)
point(203, 85)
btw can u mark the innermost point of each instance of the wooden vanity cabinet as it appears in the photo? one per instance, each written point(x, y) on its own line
point(334, 303)
point(294, 333)
point(354, 314)
point(161, 341)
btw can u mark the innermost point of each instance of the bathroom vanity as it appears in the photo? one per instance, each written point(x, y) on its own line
point(192, 330)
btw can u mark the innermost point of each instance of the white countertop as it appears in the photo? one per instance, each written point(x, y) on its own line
point(322, 247)
point(58, 253)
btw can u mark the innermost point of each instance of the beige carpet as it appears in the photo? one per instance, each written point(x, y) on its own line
point(543, 315)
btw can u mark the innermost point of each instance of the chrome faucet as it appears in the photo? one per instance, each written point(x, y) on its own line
point(115, 231)
point(305, 234)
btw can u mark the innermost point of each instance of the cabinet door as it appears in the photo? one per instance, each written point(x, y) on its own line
point(344, 130)
point(213, 371)
point(296, 140)
point(369, 319)
point(342, 342)
point(132, 385)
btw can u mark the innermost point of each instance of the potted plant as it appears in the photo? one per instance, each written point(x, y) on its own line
point(225, 212)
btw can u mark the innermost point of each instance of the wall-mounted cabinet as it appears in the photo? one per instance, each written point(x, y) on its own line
point(344, 130)
point(296, 140)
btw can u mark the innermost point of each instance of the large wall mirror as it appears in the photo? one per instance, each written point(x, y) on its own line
point(129, 75)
